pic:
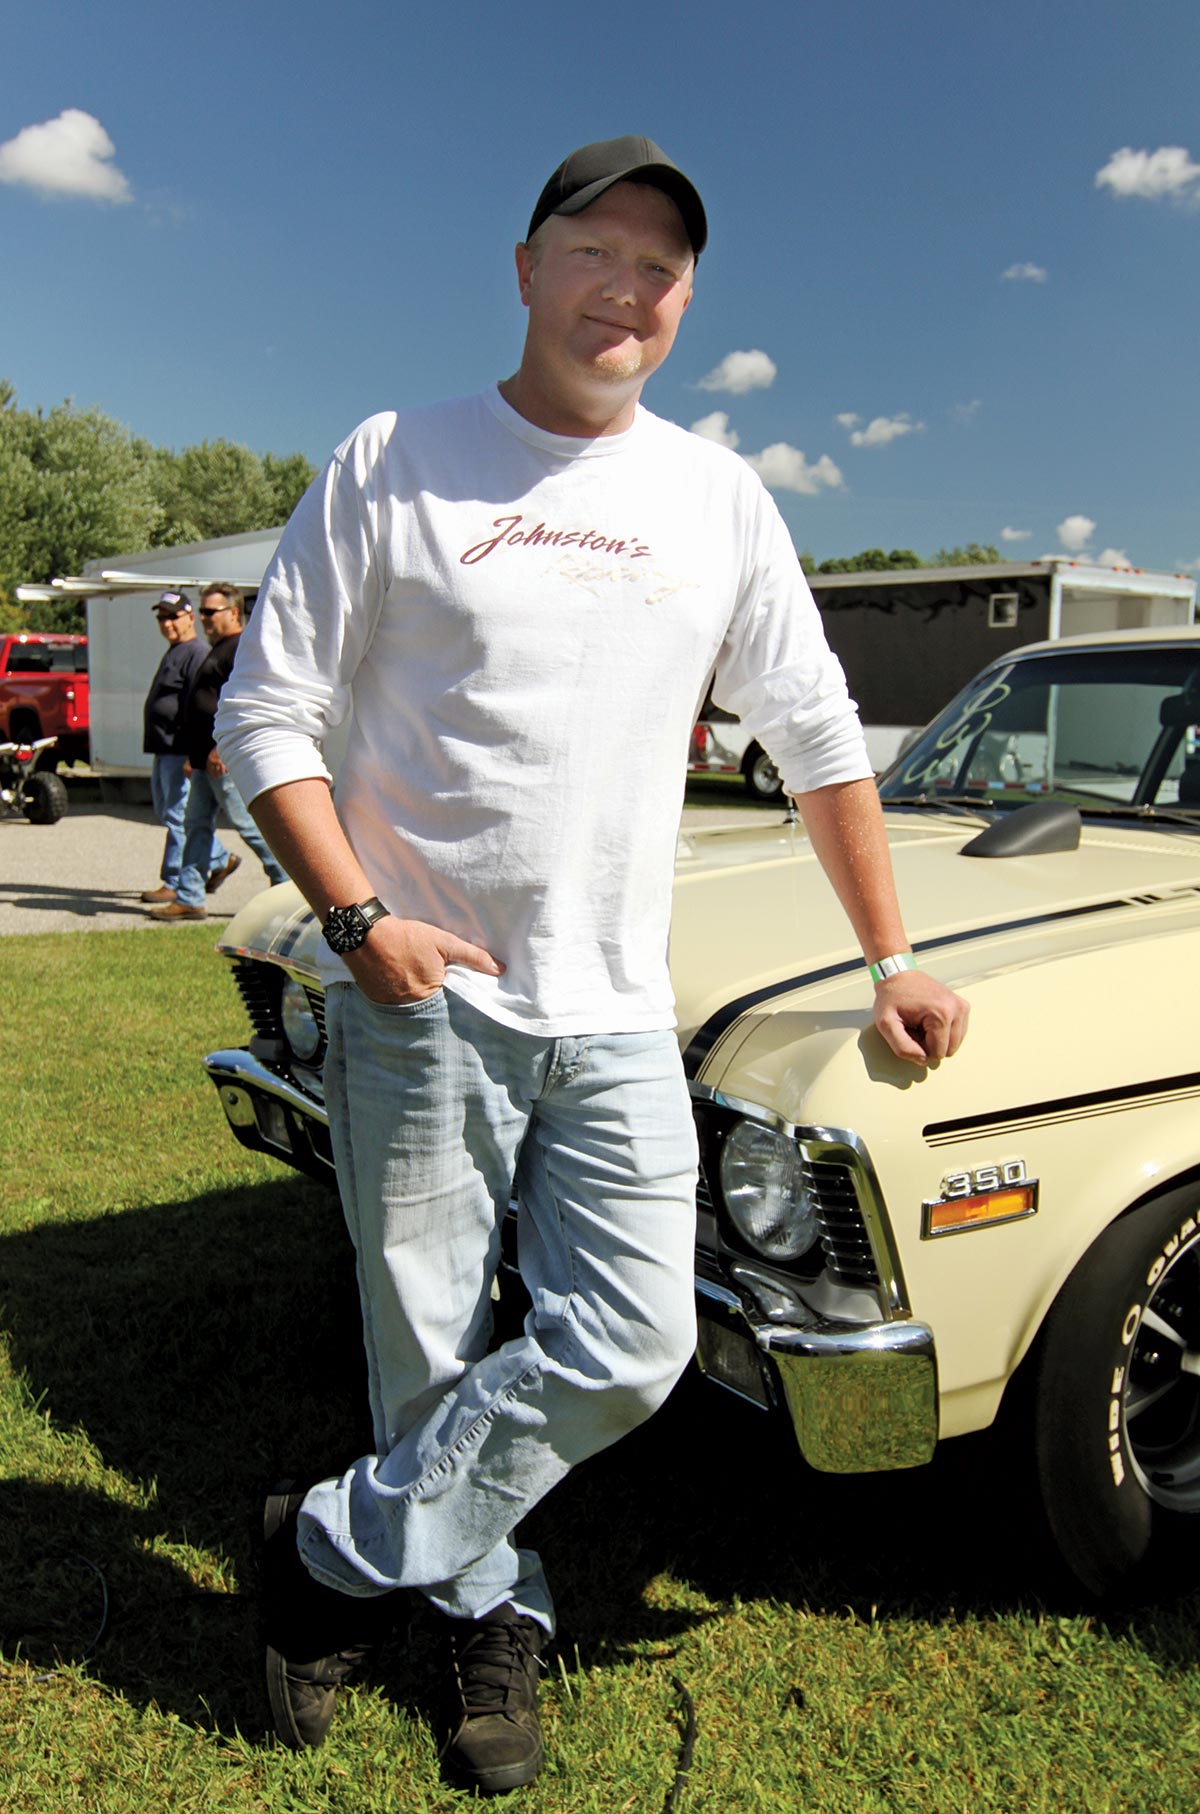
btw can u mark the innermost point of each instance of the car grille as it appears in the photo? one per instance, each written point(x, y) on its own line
point(844, 1239)
point(259, 986)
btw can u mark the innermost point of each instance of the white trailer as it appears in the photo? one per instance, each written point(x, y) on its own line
point(125, 644)
point(910, 638)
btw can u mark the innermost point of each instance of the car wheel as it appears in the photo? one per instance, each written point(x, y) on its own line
point(1117, 1404)
point(44, 798)
point(762, 776)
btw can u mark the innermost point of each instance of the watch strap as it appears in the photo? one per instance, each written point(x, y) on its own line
point(372, 909)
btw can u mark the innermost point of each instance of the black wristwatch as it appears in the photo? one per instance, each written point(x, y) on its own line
point(345, 928)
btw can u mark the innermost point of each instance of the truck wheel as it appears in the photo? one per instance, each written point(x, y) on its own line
point(1117, 1403)
point(761, 774)
point(44, 798)
point(24, 726)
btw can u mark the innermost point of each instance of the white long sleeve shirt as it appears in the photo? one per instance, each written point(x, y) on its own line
point(525, 624)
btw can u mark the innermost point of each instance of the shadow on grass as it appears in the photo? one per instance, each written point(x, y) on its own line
point(205, 1346)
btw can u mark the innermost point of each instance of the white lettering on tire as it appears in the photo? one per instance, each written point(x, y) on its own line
point(1129, 1328)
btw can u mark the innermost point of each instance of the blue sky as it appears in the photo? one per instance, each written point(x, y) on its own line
point(961, 241)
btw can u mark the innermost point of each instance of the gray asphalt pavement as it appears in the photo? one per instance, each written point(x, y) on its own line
point(85, 873)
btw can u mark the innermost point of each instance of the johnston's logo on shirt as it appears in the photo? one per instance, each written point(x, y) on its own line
point(510, 533)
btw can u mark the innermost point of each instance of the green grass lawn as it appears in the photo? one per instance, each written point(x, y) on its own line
point(179, 1324)
point(721, 792)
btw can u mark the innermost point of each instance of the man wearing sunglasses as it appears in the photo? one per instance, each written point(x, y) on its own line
point(164, 718)
point(211, 788)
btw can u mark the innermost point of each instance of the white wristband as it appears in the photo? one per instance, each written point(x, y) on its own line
point(891, 966)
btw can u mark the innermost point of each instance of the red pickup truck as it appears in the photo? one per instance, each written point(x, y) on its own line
point(44, 691)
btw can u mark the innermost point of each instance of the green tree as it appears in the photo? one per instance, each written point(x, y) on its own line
point(74, 486)
point(289, 476)
point(975, 554)
point(12, 615)
point(215, 488)
point(222, 488)
point(873, 560)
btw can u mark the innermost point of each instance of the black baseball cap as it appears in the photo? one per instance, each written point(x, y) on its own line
point(172, 604)
point(588, 172)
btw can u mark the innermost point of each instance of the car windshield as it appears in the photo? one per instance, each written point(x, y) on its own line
point(1104, 729)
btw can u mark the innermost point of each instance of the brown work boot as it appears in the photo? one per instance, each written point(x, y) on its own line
point(316, 1638)
point(175, 910)
point(161, 893)
point(217, 876)
point(495, 1738)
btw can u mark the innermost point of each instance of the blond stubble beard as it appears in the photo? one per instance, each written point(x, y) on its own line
point(618, 368)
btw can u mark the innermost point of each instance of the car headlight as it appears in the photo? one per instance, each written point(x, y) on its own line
point(767, 1193)
point(300, 1027)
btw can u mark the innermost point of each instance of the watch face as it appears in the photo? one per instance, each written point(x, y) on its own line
point(345, 930)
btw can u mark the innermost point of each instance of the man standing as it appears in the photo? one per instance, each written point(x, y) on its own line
point(509, 588)
point(163, 740)
point(211, 787)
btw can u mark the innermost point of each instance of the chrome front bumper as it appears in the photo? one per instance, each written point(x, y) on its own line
point(270, 1114)
point(861, 1397)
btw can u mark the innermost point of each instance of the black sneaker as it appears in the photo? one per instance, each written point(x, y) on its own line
point(316, 1638)
point(495, 1740)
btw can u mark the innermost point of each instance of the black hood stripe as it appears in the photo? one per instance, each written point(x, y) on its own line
point(706, 1037)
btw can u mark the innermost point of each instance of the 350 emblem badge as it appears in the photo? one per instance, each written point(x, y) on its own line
point(980, 1199)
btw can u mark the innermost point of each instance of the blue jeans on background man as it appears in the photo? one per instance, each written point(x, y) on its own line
point(207, 795)
point(434, 1108)
point(168, 794)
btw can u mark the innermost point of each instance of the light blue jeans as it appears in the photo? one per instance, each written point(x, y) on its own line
point(435, 1109)
point(206, 796)
point(168, 795)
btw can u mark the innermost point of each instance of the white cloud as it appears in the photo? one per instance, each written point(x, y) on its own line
point(1015, 535)
point(848, 419)
point(716, 428)
point(741, 372)
point(1169, 171)
point(883, 429)
point(72, 155)
point(1075, 532)
point(785, 468)
point(1113, 557)
point(1026, 273)
point(967, 412)
point(1187, 566)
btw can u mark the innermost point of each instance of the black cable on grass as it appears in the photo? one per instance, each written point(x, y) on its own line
point(686, 1748)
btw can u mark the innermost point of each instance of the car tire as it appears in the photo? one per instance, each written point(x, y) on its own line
point(1117, 1404)
point(44, 798)
point(761, 775)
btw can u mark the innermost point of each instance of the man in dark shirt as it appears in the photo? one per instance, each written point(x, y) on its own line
point(163, 740)
point(211, 787)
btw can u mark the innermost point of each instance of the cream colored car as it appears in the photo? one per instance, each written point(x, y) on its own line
point(885, 1252)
